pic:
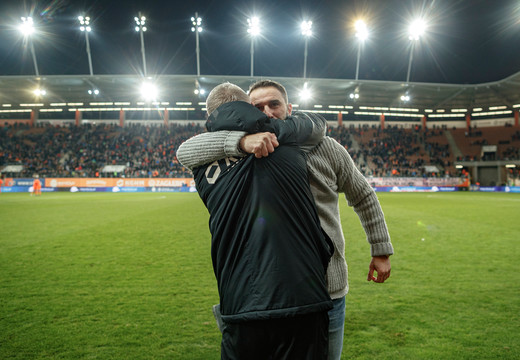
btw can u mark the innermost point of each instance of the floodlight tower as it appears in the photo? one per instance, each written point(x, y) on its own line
point(140, 27)
point(307, 33)
point(84, 22)
point(27, 29)
point(196, 21)
point(415, 31)
point(253, 30)
point(362, 35)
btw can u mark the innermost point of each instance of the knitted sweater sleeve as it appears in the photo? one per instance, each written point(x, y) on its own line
point(208, 147)
point(360, 195)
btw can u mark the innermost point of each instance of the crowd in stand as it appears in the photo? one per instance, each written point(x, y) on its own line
point(83, 151)
point(395, 151)
point(149, 151)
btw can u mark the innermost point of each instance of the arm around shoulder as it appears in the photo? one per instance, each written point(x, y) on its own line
point(208, 147)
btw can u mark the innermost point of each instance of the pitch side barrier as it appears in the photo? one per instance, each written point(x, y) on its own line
point(132, 185)
point(102, 184)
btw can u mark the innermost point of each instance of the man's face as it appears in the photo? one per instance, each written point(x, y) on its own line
point(270, 101)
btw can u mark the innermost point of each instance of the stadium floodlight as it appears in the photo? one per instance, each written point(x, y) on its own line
point(405, 97)
point(416, 29)
point(305, 93)
point(253, 30)
point(140, 27)
point(39, 92)
point(93, 92)
point(306, 27)
point(27, 29)
point(149, 91)
point(198, 89)
point(354, 96)
point(85, 27)
point(362, 35)
point(196, 21)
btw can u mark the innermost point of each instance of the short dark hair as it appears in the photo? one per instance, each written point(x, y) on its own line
point(269, 83)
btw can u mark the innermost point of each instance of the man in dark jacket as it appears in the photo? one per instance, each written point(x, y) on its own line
point(268, 250)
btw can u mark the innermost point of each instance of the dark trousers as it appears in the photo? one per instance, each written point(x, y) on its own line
point(299, 338)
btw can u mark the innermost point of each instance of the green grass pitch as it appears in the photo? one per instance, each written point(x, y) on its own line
point(129, 276)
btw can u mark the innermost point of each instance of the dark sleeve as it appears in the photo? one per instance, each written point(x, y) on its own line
point(303, 129)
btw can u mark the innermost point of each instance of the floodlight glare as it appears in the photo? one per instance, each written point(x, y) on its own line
point(306, 28)
point(305, 93)
point(361, 30)
point(405, 98)
point(27, 27)
point(254, 30)
point(254, 26)
point(149, 91)
point(354, 96)
point(39, 92)
point(416, 29)
point(85, 23)
point(197, 24)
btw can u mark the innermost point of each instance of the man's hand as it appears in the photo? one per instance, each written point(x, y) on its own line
point(381, 264)
point(260, 144)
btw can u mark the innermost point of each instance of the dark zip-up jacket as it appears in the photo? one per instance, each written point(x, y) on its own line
point(269, 252)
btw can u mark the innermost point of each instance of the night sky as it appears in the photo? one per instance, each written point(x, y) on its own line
point(467, 41)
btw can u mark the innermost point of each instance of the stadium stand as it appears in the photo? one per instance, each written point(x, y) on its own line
point(149, 151)
point(82, 151)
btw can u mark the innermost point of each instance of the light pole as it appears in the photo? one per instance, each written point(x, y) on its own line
point(197, 28)
point(141, 28)
point(27, 28)
point(362, 35)
point(85, 27)
point(415, 31)
point(253, 30)
point(307, 33)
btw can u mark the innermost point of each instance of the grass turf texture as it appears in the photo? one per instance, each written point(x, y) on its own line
point(129, 276)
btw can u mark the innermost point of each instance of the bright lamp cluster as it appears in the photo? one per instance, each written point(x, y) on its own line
point(85, 23)
point(140, 23)
point(197, 24)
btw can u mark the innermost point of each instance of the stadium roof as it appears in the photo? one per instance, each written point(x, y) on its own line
point(328, 94)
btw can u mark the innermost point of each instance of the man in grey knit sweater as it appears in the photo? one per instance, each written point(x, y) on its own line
point(331, 171)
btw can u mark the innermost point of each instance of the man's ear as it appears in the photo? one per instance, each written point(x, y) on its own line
point(289, 109)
